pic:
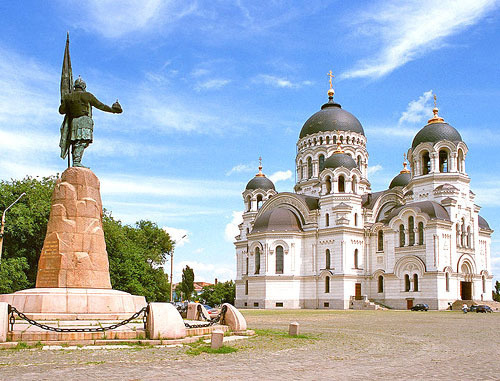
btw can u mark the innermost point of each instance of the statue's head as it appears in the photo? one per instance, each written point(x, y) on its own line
point(80, 84)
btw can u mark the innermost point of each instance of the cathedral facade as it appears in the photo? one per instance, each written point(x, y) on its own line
point(335, 244)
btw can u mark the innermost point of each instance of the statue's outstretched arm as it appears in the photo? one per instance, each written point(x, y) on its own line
point(62, 108)
point(101, 106)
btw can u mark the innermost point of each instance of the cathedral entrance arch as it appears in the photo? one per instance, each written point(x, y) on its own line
point(466, 283)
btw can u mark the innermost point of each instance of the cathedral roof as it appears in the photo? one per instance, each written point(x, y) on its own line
point(331, 117)
point(311, 202)
point(431, 208)
point(278, 219)
point(435, 132)
point(483, 224)
point(340, 160)
point(260, 181)
point(401, 180)
point(368, 200)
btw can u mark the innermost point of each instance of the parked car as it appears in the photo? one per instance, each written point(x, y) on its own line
point(420, 307)
point(483, 308)
point(473, 308)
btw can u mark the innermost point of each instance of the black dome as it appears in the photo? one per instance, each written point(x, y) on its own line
point(278, 219)
point(340, 160)
point(260, 182)
point(435, 132)
point(401, 180)
point(331, 117)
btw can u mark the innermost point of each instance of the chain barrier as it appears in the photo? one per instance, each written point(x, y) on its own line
point(218, 319)
point(12, 321)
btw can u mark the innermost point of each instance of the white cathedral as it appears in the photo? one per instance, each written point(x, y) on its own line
point(335, 244)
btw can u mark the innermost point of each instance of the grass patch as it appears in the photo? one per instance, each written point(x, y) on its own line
point(195, 351)
point(21, 345)
point(276, 333)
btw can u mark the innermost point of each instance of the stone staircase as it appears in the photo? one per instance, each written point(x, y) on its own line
point(363, 304)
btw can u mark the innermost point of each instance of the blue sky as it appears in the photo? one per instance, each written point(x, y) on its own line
point(208, 87)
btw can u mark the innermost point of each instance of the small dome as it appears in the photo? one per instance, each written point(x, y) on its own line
point(434, 132)
point(331, 117)
point(260, 182)
point(483, 224)
point(401, 180)
point(340, 160)
point(278, 219)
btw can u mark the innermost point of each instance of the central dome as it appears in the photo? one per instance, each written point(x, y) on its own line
point(331, 117)
point(340, 160)
point(278, 219)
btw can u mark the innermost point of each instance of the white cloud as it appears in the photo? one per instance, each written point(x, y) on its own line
point(205, 272)
point(408, 30)
point(240, 168)
point(280, 176)
point(212, 84)
point(199, 72)
point(232, 229)
point(275, 81)
point(179, 236)
point(374, 169)
point(112, 21)
point(417, 110)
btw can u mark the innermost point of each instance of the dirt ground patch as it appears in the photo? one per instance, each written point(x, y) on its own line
point(333, 345)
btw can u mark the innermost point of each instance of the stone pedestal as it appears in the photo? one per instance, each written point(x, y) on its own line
point(73, 280)
point(74, 251)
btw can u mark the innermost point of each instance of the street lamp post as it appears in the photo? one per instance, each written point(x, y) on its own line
point(2, 225)
point(172, 270)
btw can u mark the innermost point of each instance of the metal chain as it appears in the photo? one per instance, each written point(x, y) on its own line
point(219, 318)
point(12, 321)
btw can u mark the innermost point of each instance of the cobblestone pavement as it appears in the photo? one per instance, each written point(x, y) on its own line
point(336, 345)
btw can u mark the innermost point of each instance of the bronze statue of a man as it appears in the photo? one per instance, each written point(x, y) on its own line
point(78, 126)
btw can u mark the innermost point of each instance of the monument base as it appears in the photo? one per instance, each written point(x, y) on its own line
point(75, 303)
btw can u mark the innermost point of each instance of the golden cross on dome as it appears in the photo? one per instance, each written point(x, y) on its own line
point(260, 161)
point(435, 99)
point(260, 174)
point(331, 76)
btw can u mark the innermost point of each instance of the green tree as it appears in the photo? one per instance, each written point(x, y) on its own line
point(136, 254)
point(222, 292)
point(25, 228)
point(186, 286)
point(496, 293)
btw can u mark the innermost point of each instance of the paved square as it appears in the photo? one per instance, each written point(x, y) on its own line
point(332, 345)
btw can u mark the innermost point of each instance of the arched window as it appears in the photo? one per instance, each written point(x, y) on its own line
point(327, 219)
point(469, 241)
point(257, 260)
point(426, 163)
point(279, 259)
point(353, 185)
point(328, 184)
point(463, 233)
point(380, 241)
point(301, 170)
point(327, 259)
point(246, 266)
point(420, 233)
point(458, 234)
point(415, 282)
point(355, 219)
point(327, 140)
point(447, 278)
point(321, 140)
point(483, 278)
point(407, 283)
point(309, 168)
point(443, 161)
point(246, 287)
point(356, 263)
point(411, 231)
point(259, 201)
point(460, 161)
point(327, 285)
point(341, 184)
point(321, 162)
point(401, 235)
point(380, 283)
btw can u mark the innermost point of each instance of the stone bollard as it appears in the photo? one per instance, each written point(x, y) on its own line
point(164, 322)
point(293, 329)
point(4, 321)
point(217, 339)
point(234, 319)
